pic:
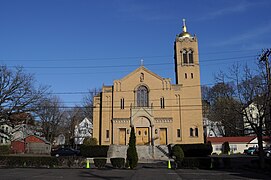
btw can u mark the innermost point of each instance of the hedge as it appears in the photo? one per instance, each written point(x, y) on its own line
point(26, 161)
point(117, 162)
point(195, 162)
point(196, 150)
point(94, 151)
point(99, 162)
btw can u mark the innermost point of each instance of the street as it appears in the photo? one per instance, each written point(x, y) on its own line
point(142, 172)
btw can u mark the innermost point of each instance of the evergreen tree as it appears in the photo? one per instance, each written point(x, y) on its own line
point(132, 157)
point(226, 147)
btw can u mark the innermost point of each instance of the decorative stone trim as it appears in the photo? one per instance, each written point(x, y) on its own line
point(186, 39)
point(121, 120)
point(163, 120)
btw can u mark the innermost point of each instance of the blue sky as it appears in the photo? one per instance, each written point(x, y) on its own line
point(77, 45)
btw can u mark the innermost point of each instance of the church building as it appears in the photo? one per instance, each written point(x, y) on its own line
point(160, 111)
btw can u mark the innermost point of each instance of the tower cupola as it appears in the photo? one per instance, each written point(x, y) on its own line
point(184, 33)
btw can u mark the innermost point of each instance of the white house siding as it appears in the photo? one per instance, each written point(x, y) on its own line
point(82, 130)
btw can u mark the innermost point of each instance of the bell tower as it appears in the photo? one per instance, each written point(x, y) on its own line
point(186, 58)
point(187, 73)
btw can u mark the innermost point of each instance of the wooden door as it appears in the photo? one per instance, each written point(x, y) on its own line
point(122, 136)
point(142, 136)
point(163, 136)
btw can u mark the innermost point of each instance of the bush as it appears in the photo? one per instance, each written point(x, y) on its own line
point(132, 157)
point(178, 154)
point(196, 150)
point(94, 151)
point(117, 162)
point(99, 162)
point(4, 149)
point(90, 141)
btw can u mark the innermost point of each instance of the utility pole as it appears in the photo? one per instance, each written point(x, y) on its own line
point(264, 57)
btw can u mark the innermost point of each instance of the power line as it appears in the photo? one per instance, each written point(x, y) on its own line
point(127, 65)
point(124, 57)
point(130, 90)
point(153, 108)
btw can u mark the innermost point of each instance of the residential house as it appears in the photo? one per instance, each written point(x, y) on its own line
point(252, 116)
point(5, 134)
point(31, 145)
point(213, 129)
point(59, 140)
point(82, 130)
point(237, 144)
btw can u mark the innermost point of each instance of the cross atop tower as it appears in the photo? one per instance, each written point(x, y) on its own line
point(142, 62)
point(184, 26)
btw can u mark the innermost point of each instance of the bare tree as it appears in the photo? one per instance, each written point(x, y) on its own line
point(73, 117)
point(88, 103)
point(17, 92)
point(251, 91)
point(220, 109)
point(50, 113)
point(18, 96)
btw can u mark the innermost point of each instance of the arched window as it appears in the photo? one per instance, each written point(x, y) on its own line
point(185, 60)
point(122, 103)
point(162, 102)
point(191, 132)
point(196, 132)
point(142, 96)
point(190, 56)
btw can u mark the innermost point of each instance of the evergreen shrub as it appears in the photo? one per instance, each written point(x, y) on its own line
point(90, 141)
point(178, 154)
point(226, 147)
point(132, 157)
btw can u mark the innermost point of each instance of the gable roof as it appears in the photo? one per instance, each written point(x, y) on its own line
point(38, 137)
point(141, 68)
point(239, 139)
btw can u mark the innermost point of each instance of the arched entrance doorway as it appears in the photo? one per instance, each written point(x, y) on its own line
point(142, 131)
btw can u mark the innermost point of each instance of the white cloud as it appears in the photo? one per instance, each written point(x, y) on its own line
point(235, 8)
point(252, 34)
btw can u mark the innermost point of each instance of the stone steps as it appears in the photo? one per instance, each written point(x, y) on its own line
point(144, 152)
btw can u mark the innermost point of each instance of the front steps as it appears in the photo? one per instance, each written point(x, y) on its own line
point(145, 153)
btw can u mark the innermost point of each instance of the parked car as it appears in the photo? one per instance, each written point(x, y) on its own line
point(65, 151)
point(255, 151)
point(267, 152)
point(250, 151)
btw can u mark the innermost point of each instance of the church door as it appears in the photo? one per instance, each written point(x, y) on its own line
point(122, 136)
point(142, 136)
point(163, 136)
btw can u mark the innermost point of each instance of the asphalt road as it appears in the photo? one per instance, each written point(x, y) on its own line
point(139, 173)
